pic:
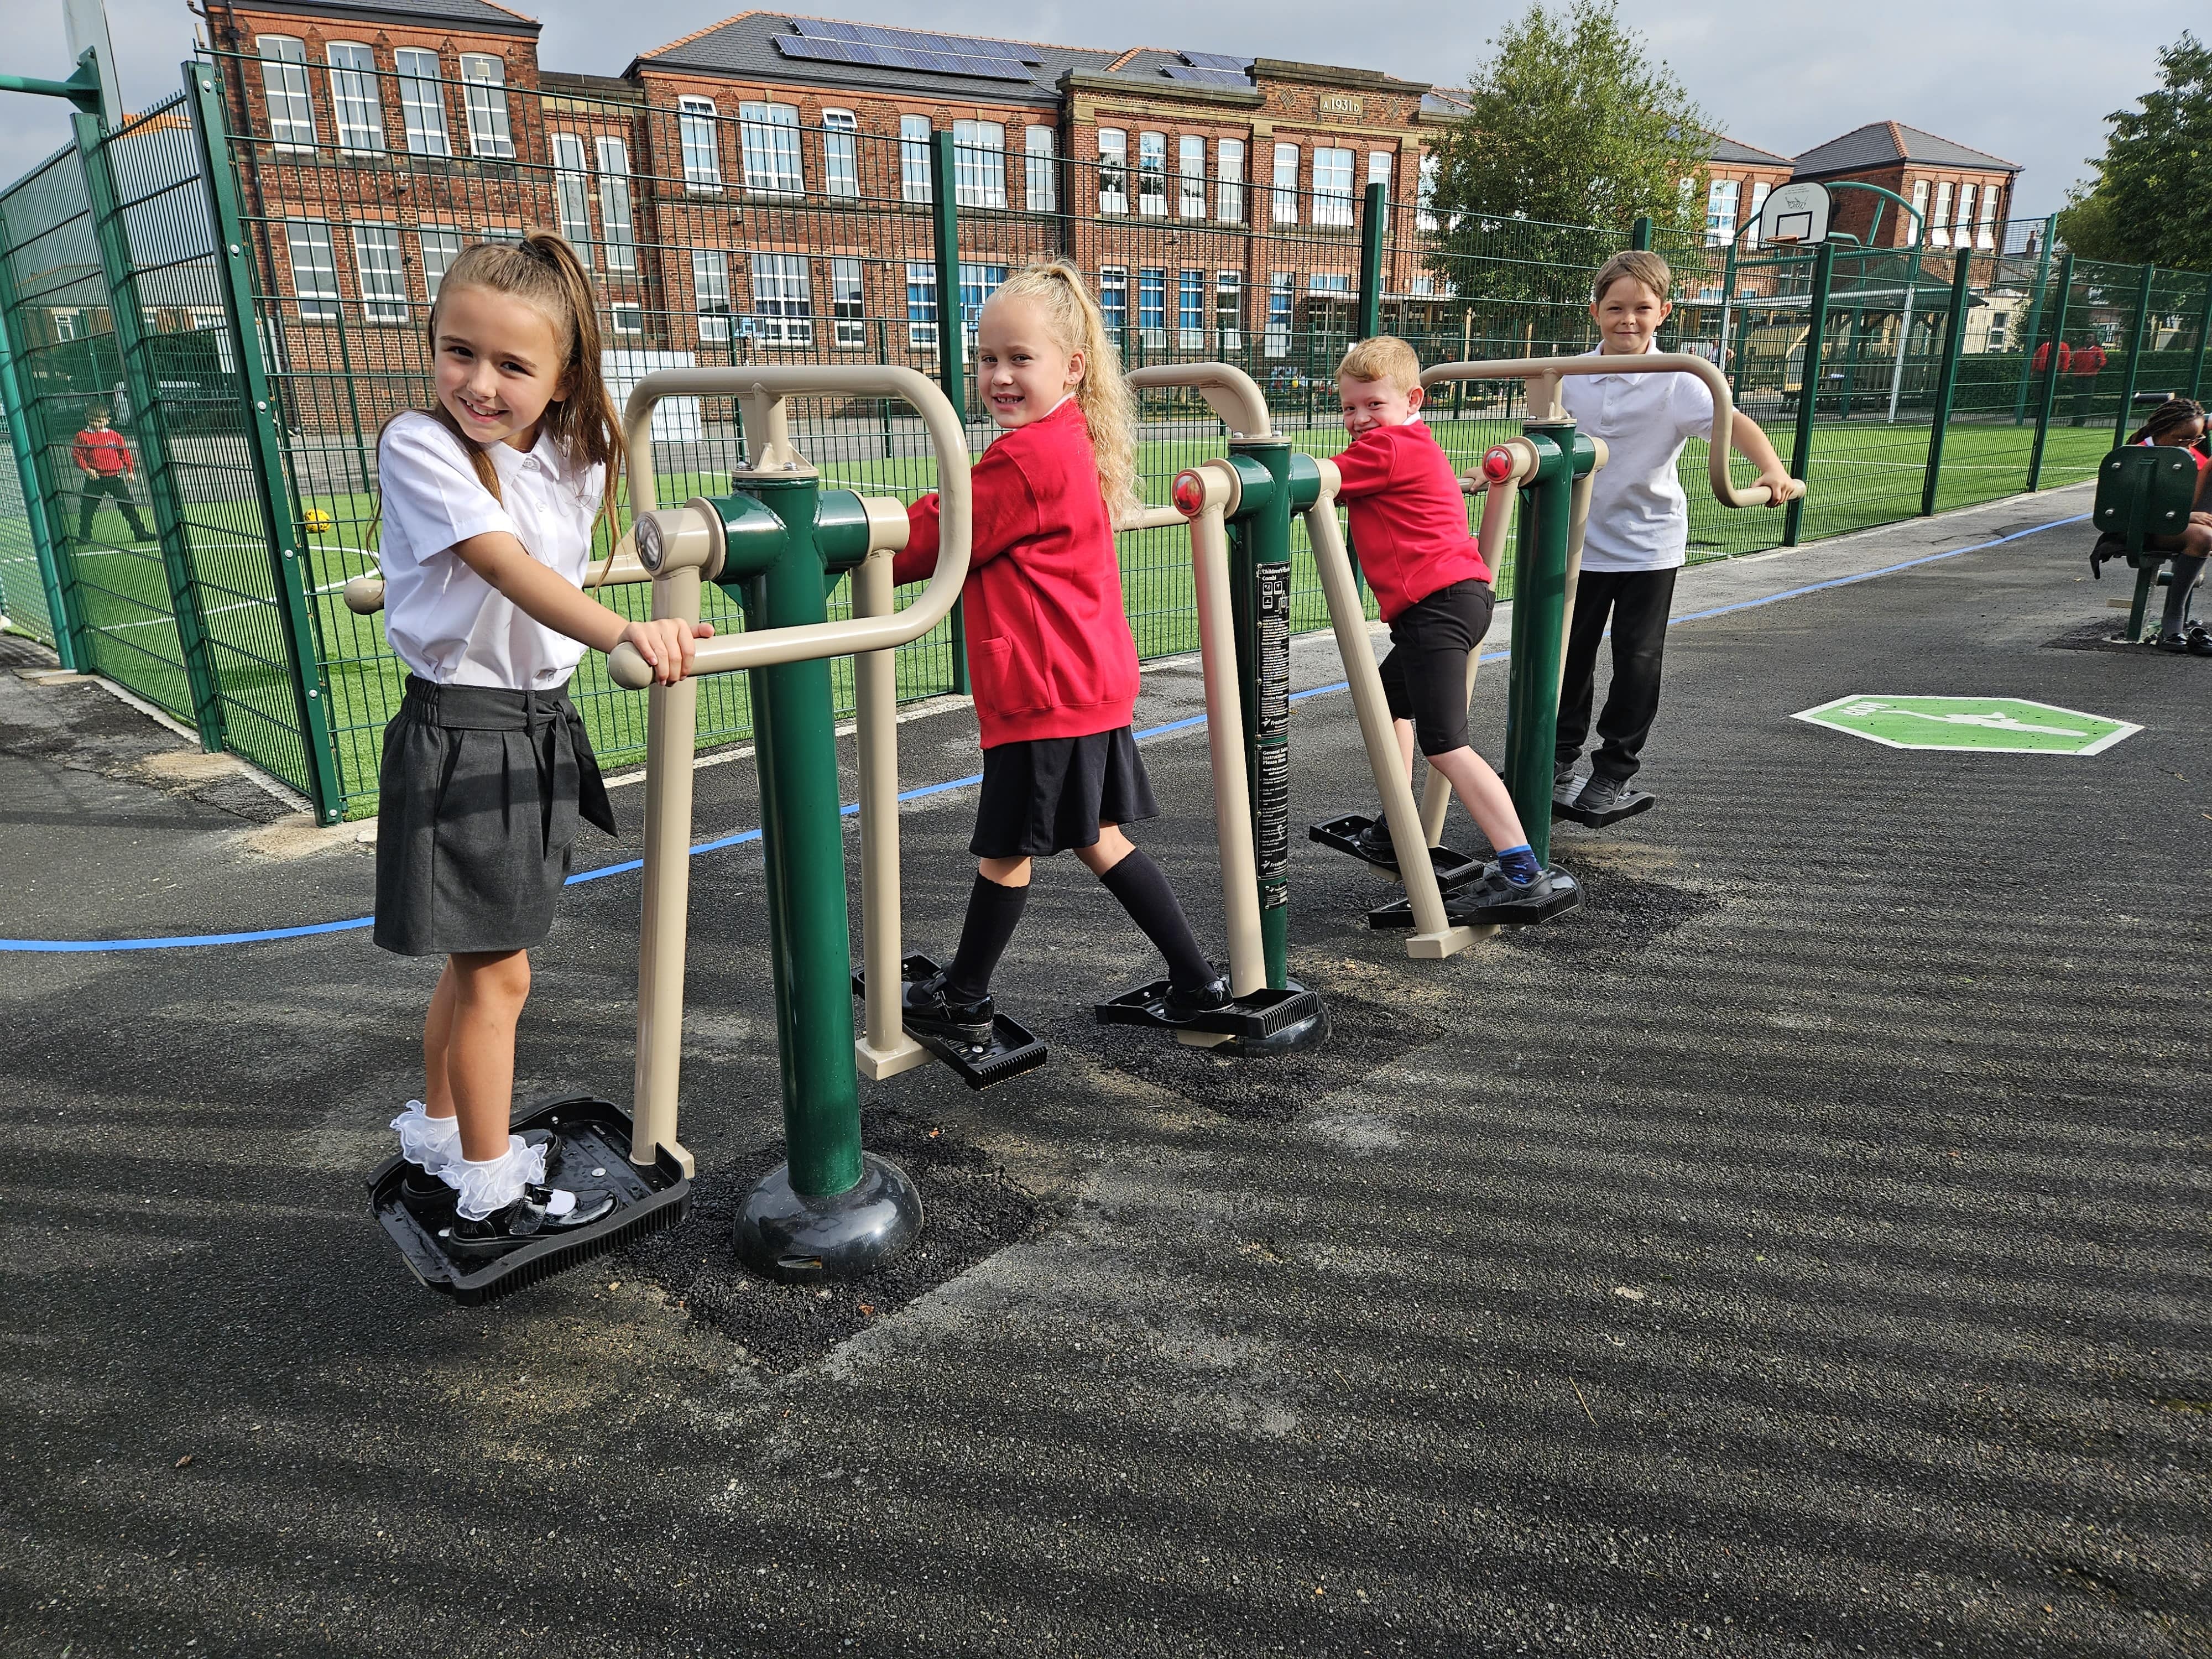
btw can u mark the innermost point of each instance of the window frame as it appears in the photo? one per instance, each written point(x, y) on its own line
point(783, 298)
point(297, 92)
point(1152, 306)
point(1151, 174)
point(699, 144)
point(1229, 181)
point(1190, 185)
point(916, 138)
point(615, 314)
point(1113, 171)
point(1281, 321)
point(1228, 303)
point(1191, 291)
point(849, 310)
point(329, 303)
point(1985, 226)
point(1939, 222)
point(841, 153)
point(1285, 195)
point(617, 221)
point(433, 274)
point(388, 302)
point(1040, 168)
point(1962, 223)
point(571, 188)
point(924, 312)
point(422, 119)
point(1114, 301)
point(353, 85)
point(979, 167)
point(767, 149)
point(1720, 227)
point(713, 322)
point(1333, 207)
point(491, 138)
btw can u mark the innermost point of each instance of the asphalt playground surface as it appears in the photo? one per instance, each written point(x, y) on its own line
point(1801, 1248)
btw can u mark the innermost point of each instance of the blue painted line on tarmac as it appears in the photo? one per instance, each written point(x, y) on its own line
point(262, 936)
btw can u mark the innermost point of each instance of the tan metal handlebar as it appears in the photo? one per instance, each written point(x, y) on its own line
point(1228, 391)
point(364, 595)
point(1544, 375)
point(764, 388)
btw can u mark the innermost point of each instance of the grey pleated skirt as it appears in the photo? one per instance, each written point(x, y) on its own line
point(481, 791)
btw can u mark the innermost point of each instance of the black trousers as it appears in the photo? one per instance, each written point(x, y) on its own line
point(1638, 602)
point(115, 486)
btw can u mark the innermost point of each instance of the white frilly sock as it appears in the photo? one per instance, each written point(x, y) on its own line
point(433, 1142)
point(486, 1187)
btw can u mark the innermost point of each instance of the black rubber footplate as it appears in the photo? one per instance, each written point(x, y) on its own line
point(1626, 805)
point(1250, 1018)
point(590, 1150)
point(1493, 902)
point(1013, 1047)
point(1453, 869)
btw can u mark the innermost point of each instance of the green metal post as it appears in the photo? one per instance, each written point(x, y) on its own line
point(1540, 609)
point(795, 738)
point(1946, 376)
point(1259, 598)
point(2035, 316)
point(288, 578)
point(2048, 396)
point(110, 238)
point(2125, 418)
point(1808, 381)
point(1639, 234)
point(1376, 222)
point(951, 331)
point(2204, 346)
point(44, 544)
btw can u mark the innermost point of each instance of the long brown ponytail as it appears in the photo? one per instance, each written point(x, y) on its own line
point(544, 271)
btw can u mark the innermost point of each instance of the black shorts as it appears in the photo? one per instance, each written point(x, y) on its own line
point(1050, 794)
point(1425, 676)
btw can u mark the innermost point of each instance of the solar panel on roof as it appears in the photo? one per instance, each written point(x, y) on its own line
point(1215, 60)
point(933, 63)
point(1212, 77)
point(958, 46)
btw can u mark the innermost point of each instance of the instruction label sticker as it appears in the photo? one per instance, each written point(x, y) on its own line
point(1273, 714)
point(2012, 725)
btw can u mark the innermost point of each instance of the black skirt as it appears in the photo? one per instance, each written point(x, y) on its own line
point(481, 790)
point(1050, 794)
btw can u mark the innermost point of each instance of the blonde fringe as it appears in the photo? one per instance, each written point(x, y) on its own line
point(1057, 288)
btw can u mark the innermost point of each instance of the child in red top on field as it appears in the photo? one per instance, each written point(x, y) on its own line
point(1049, 653)
point(105, 460)
point(2176, 423)
point(1409, 523)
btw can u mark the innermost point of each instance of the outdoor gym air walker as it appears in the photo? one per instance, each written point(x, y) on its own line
point(1451, 901)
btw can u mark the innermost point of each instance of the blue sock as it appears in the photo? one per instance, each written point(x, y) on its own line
point(1519, 864)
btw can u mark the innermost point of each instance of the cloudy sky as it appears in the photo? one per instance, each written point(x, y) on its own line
point(2027, 80)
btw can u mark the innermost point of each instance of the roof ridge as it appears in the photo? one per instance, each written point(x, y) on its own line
point(1955, 144)
point(511, 12)
point(1897, 138)
point(686, 39)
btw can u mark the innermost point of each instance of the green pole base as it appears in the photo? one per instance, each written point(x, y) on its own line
point(801, 1239)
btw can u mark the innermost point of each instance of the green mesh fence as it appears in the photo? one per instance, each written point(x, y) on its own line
point(22, 585)
point(63, 326)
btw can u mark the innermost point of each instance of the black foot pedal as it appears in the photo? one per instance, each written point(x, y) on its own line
point(590, 1149)
point(1265, 1014)
point(1013, 1047)
point(1494, 901)
point(1453, 869)
point(1626, 804)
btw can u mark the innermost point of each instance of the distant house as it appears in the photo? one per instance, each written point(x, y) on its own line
point(1962, 195)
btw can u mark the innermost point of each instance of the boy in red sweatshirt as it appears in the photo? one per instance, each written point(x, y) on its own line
point(1409, 523)
point(105, 460)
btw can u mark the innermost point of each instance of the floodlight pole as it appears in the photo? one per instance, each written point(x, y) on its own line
point(82, 88)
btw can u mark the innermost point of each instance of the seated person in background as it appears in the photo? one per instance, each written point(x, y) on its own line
point(2176, 423)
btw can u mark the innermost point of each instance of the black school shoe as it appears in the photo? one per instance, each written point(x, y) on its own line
point(525, 1221)
point(1602, 794)
point(1199, 999)
point(924, 1007)
point(426, 1195)
point(1374, 841)
point(2198, 640)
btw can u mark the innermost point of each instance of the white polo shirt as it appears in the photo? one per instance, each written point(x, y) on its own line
point(445, 622)
point(1639, 519)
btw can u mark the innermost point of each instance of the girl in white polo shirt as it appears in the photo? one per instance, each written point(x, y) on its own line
point(489, 501)
point(1639, 527)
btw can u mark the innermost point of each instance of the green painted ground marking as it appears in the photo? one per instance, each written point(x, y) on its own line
point(1985, 725)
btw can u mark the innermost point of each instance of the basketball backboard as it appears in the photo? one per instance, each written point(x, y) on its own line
point(85, 22)
point(1795, 213)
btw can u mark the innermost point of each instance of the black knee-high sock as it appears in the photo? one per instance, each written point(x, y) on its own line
point(1141, 886)
point(2177, 596)
point(993, 911)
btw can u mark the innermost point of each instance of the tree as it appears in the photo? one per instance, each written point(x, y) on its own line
point(2149, 204)
point(1571, 124)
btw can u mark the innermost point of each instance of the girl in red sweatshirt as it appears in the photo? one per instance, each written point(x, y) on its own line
point(1049, 653)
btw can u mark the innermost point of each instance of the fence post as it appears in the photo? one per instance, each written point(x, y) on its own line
point(2126, 416)
point(265, 445)
point(1946, 376)
point(44, 544)
point(1639, 234)
point(951, 331)
point(2056, 339)
point(112, 241)
point(1378, 214)
point(1809, 387)
point(2035, 314)
point(2203, 344)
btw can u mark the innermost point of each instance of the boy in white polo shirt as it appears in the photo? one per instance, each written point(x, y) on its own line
point(1639, 531)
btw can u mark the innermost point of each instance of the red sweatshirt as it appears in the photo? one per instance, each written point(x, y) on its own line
point(1049, 652)
point(105, 452)
point(1408, 518)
